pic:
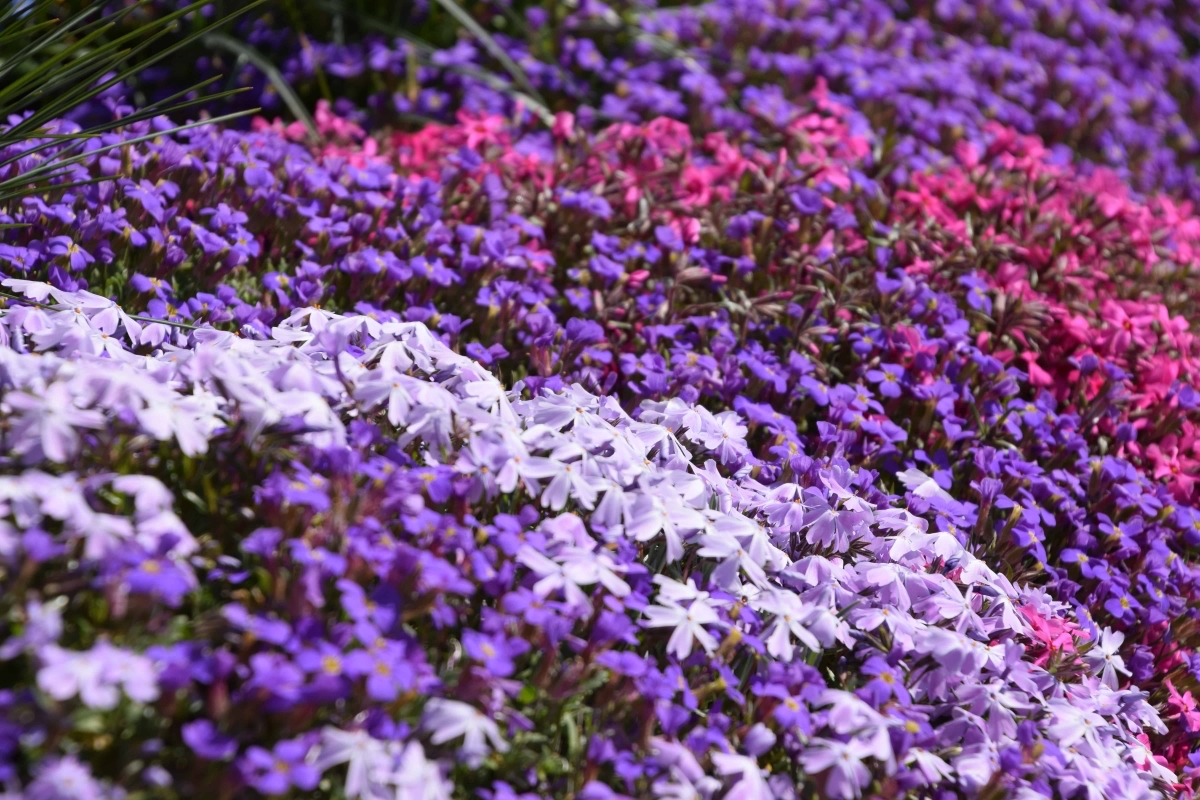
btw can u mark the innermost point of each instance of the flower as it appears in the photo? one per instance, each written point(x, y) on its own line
point(841, 762)
point(367, 760)
point(64, 778)
point(276, 771)
point(1104, 657)
point(450, 719)
point(206, 742)
point(688, 623)
point(749, 783)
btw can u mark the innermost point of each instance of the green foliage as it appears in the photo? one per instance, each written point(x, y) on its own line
point(54, 60)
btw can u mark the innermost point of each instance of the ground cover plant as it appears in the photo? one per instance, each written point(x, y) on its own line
point(670, 419)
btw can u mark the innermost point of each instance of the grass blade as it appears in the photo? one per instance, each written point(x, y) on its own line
point(532, 101)
point(40, 173)
point(467, 21)
point(137, 116)
point(286, 93)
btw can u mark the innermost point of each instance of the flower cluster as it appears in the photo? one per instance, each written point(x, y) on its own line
point(1115, 85)
point(327, 621)
point(714, 460)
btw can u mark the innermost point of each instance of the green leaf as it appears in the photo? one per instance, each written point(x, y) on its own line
point(286, 93)
point(48, 171)
point(68, 63)
point(485, 38)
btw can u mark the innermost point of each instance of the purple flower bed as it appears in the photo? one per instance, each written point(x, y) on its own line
point(1111, 85)
point(757, 456)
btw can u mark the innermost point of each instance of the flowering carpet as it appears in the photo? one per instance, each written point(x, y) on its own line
point(706, 439)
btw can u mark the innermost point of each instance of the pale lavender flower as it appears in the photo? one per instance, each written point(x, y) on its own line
point(688, 623)
point(790, 615)
point(449, 719)
point(64, 778)
point(368, 761)
point(922, 485)
point(48, 422)
point(1104, 657)
point(43, 626)
point(749, 781)
point(417, 778)
point(832, 524)
point(846, 775)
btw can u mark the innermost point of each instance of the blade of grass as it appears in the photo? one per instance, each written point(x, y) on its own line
point(61, 29)
point(533, 102)
point(96, 130)
point(74, 63)
point(14, 10)
point(121, 77)
point(39, 173)
point(137, 317)
point(379, 25)
point(91, 59)
point(322, 82)
point(35, 75)
point(286, 93)
point(467, 21)
point(499, 84)
point(59, 187)
point(61, 104)
point(7, 36)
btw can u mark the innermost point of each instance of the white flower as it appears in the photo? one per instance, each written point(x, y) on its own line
point(688, 623)
point(922, 485)
point(417, 778)
point(368, 761)
point(449, 719)
point(751, 783)
point(1104, 658)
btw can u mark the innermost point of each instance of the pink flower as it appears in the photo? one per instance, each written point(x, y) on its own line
point(329, 123)
point(1183, 706)
point(1170, 464)
point(1055, 635)
point(669, 135)
point(1126, 329)
point(564, 126)
point(696, 185)
point(1037, 375)
point(482, 130)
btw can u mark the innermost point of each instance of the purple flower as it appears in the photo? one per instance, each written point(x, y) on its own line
point(889, 377)
point(1122, 605)
point(888, 682)
point(495, 652)
point(157, 576)
point(152, 198)
point(279, 769)
point(386, 669)
point(206, 742)
point(223, 216)
point(668, 238)
point(77, 258)
point(1090, 567)
point(259, 178)
point(587, 202)
point(807, 201)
